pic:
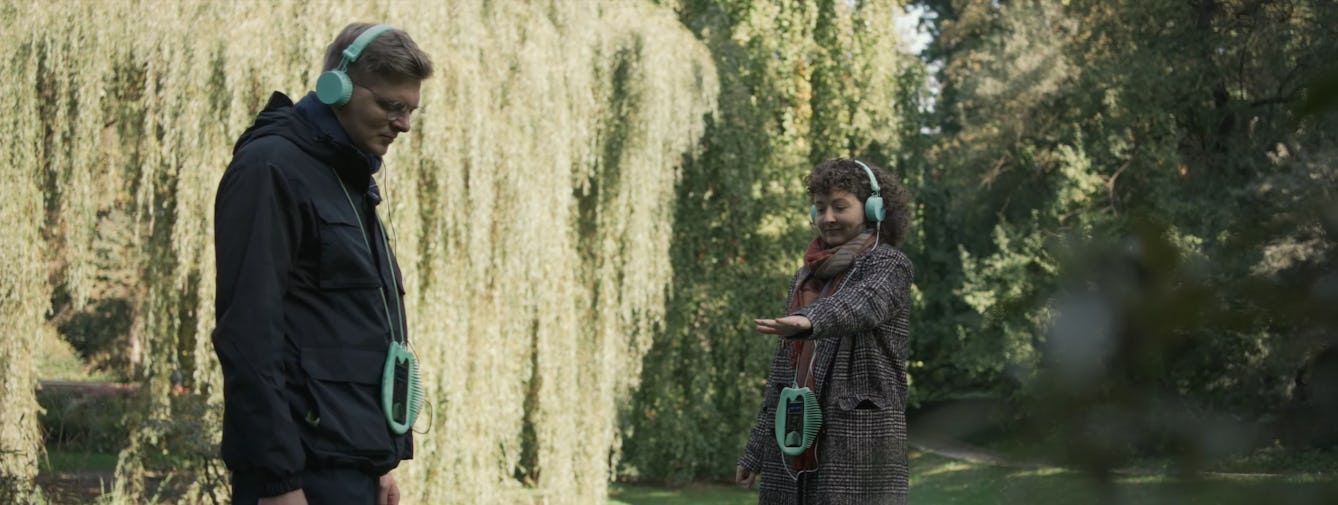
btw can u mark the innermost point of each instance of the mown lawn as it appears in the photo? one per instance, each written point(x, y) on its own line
point(940, 481)
point(73, 461)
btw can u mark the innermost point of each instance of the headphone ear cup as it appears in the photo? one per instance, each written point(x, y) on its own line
point(873, 209)
point(334, 88)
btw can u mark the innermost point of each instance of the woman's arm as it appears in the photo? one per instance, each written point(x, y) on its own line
point(879, 291)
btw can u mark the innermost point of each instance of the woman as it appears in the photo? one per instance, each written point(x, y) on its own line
point(845, 340)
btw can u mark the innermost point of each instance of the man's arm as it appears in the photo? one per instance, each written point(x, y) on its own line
point(256, 226)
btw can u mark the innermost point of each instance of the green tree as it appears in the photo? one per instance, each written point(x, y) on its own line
point(1064, 123)
point(800, 82)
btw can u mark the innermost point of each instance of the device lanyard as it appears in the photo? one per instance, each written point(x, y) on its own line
point(385, 305)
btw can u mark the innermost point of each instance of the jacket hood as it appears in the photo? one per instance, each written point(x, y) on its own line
point(308, 125)
point(277, 119)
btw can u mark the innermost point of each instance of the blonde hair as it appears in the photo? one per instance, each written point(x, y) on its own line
point(391, 56)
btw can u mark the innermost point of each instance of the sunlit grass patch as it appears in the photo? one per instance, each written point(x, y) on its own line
point(697, 494)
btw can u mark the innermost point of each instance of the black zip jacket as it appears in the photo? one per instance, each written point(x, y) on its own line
point(309, 297)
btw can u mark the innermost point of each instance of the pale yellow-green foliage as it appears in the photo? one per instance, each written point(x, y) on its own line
point(530, 208)
point(23, 283)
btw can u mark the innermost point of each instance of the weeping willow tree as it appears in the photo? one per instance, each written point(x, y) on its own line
point(531, 208)
point(23, 288)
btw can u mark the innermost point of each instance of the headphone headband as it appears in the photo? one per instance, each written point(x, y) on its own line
point(353, 50)
point(334, 87)
point(873, 181)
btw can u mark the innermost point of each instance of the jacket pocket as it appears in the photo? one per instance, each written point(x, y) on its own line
point(345, 389)
point(861, 416)
point(866, 443)
point(862, 402)
point(346, 255)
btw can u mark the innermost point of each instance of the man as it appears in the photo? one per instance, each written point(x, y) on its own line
point(310, 298)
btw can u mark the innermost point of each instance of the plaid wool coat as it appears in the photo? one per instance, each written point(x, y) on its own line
point(862, 331)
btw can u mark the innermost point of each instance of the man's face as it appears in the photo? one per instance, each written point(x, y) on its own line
point(377, 113)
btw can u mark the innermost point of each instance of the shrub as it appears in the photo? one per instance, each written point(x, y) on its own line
point(86, 417)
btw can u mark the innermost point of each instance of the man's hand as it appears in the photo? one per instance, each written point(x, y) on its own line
point(744, 477)
point(390, 492)
point(787, 326)
point(294, 497)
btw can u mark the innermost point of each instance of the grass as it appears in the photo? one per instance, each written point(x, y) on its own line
point(941, 481)
point(78, 461)
point(697, 494)
point(57, 360)
point(937, 480)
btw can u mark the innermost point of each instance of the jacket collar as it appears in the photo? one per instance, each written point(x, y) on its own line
point(322, 116)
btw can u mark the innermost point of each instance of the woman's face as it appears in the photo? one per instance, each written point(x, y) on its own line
point(840, 217)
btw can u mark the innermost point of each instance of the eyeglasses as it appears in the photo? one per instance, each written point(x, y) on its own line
point(394, 109)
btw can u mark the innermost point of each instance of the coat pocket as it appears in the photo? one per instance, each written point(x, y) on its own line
point(862, 416)
point(866, 442)
point(345, 390)
point(346, 255)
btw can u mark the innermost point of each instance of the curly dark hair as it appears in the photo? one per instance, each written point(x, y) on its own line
point(845, 174)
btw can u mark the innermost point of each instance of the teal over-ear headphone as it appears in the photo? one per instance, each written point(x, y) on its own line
point(873, 206)
point(334, 87)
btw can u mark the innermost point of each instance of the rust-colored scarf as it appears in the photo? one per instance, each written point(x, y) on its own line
point(827, 267)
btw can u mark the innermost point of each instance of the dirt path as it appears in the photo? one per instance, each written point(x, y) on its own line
point(954, 449)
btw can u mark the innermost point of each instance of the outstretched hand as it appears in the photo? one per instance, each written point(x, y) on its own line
point(787, 326)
